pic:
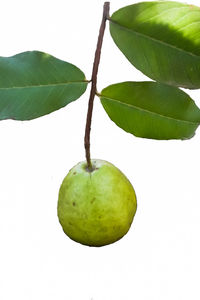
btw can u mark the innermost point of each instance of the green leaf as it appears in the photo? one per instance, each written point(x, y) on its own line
point(161, 39)
point(151, 110)
point(33, 84)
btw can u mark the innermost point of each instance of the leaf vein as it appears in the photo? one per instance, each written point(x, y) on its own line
point(147, 111)
point(153, 39)
point(41, 86)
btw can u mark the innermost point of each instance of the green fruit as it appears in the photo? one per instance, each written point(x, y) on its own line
point(97, 207)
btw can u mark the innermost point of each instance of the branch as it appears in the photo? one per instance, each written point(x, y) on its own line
point(106, 9)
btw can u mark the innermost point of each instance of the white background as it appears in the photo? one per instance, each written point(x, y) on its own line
point(159, 257)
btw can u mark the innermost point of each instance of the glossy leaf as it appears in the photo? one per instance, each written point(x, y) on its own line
point(33, 84)
point(161, 39)
point(151, 110)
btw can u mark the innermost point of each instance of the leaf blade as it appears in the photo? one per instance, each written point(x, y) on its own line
point(161, 39)
point(151, 110)
point(33, 84)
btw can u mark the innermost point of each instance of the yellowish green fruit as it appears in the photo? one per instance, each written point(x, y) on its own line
point(97, 207)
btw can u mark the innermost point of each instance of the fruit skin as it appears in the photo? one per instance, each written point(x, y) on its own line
point(96, 208)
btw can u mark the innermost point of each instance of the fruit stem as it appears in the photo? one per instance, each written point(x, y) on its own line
point(93, 90)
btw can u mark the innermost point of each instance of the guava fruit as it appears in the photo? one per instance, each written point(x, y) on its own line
point(96, 208)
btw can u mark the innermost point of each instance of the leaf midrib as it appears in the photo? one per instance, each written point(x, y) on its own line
point(153, 39)
point(147, 111)
point(42, 85)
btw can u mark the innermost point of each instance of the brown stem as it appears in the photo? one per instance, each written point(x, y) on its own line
point(106, 9)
